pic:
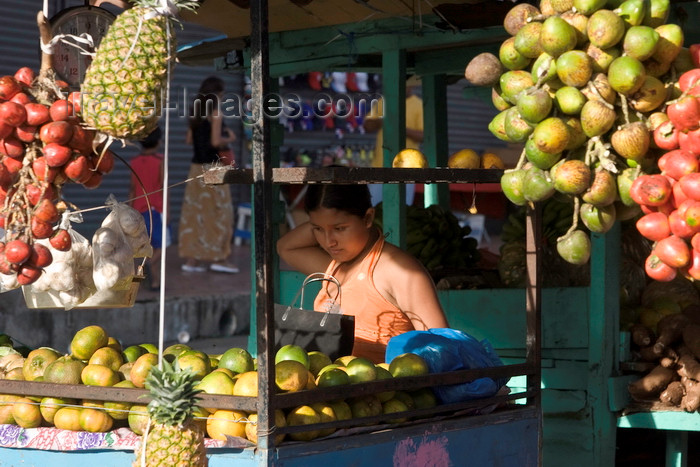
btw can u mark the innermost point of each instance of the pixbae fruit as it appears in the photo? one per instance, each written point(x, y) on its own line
point(43, 144)
point(593, 91)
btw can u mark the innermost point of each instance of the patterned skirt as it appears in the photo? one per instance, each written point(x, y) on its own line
point(206, 220)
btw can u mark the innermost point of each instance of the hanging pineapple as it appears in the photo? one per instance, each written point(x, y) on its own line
point(123, 87)
point(173, 437)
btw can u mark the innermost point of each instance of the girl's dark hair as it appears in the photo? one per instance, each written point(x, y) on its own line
point(206, 101)
point(353, 199)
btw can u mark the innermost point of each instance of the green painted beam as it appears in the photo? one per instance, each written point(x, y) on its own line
point(371, 37)
point(435, 140)
point(394, 140)
point(671, 420)
point(603, 319)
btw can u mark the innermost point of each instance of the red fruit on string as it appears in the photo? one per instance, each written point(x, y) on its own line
point(684, 113)
point(56, 132)
point(8, 87)
point(46, 211)
point(13, 166)
point(61, 240)
point(12, 147)
point(654, 226)
point(77, 169)
point(658, 270)
point(21, 98)
point(37, 114)
point(12, 113)
point(62, 110)
point(40, 256)
point(104, 161)
point(25, 75)
point(26, 133)
point(41, 229)
point(28, 274)
point(57, 155)
point(17, 251)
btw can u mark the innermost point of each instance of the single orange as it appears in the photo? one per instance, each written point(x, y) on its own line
point(293, 352)
point(224, 423)
point(291, 376)
point(114, 343)
point(6, 406)
point(141, 369)
point(99, 375)
point(107, 356)
point(251, 428)
point(36, 362)
point(26, 413)
point(95, 420)
point(50, 405)
point(138, 419)
point(237, 360)
point(67, 418)
point(246, 384)
point(65, 370)
point(303, 415)
point(87, 340)
point(408, 364)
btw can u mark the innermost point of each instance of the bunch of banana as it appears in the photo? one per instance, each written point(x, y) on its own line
point(435, 238)
point(556, 220)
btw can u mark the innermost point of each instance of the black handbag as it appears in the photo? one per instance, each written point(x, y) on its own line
point(325, 331)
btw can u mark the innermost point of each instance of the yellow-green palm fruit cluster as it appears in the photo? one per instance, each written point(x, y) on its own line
point(123, 89)
point(582, 84)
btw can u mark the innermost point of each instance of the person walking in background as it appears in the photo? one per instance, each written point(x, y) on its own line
point(373, 122)
point(206, 220)
point(147, 189)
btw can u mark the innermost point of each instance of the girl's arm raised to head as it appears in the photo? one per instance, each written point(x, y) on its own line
point(300, 250)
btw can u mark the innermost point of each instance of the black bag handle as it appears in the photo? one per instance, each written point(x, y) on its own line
point(313, 277)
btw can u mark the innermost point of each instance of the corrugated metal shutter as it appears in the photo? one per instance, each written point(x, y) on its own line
point(468, 120)
point(19, 47)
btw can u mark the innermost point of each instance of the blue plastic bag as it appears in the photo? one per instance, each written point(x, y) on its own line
point(446, 349)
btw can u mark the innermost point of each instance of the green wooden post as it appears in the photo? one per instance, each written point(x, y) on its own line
point(676, 448)
point(603, 334)
point(435, 136)
point(394, 128)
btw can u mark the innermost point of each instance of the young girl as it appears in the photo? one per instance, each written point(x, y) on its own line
point(387, 290)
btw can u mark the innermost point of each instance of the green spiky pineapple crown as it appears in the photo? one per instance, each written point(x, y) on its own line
point(174, 394)
point(179, 4)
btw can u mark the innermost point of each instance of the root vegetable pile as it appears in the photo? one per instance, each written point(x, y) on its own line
point(675, 380)
point(43, 144)
point(582, 85)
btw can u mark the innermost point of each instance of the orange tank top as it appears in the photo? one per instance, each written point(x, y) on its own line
point(376, 319)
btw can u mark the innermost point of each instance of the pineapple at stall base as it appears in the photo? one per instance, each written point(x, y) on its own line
point(122, 93)
point(173, 438)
